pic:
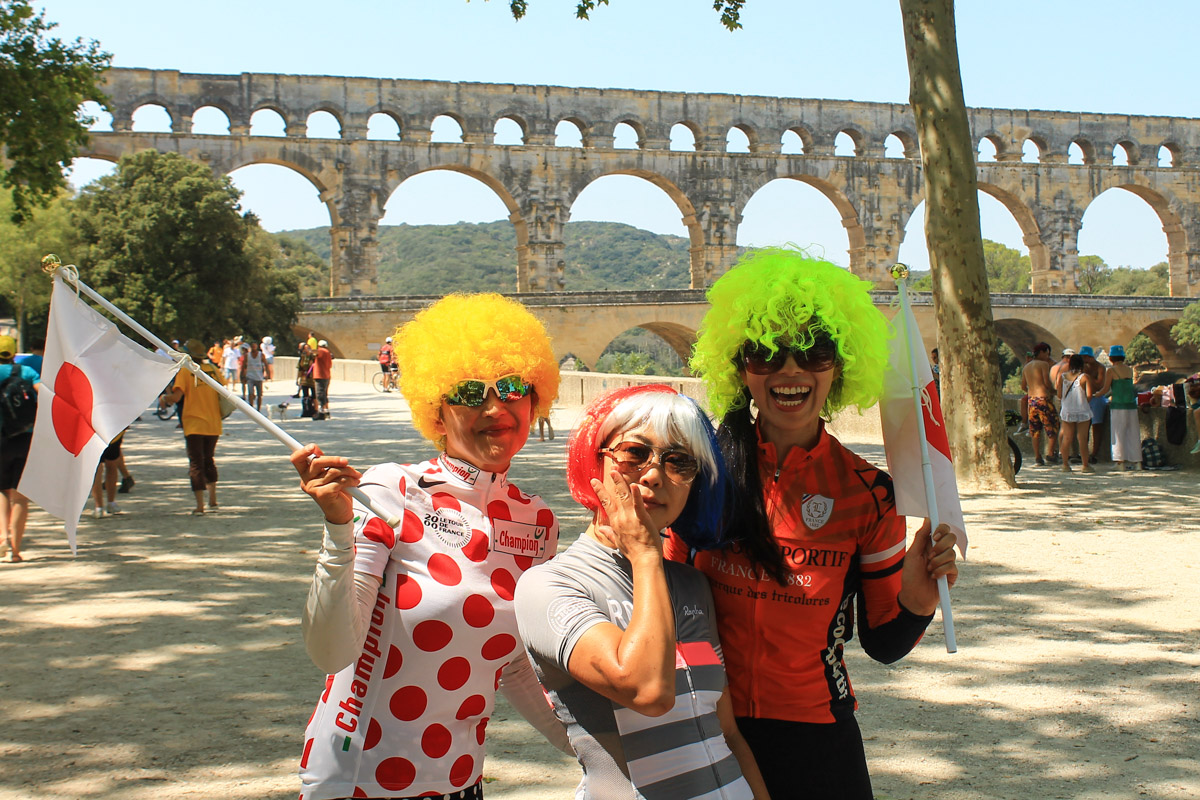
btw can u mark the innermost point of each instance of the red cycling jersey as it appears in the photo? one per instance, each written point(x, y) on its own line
point(834, 519)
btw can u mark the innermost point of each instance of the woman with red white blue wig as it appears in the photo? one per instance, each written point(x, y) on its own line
point(624, 642)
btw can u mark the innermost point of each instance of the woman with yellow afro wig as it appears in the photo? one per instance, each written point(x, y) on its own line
point(788, 342)
point(411, 615)
point(480, 336)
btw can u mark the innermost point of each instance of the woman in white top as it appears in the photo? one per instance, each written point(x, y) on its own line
point(1075, 391)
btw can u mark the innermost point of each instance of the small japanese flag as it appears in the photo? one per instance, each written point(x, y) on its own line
point(901, 435)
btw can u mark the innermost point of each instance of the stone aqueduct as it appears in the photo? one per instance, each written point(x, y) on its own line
point(538, 181)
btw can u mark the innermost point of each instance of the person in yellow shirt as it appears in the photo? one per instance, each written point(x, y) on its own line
point(201, 427)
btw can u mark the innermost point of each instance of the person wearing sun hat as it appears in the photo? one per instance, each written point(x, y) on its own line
point(14, 450)
point(1125, 429)
point(415, 625)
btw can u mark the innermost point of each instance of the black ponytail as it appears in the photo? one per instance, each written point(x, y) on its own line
point(749, 526)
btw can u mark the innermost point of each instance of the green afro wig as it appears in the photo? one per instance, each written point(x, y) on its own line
point(773, 297)
point(463, 336)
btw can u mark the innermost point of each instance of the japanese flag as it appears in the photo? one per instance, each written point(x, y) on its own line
point(901, 436)
point(94, 383)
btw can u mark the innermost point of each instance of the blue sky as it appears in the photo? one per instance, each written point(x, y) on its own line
point(1070, 56)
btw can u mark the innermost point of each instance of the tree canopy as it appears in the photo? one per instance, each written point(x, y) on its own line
point(165, 239)
point(43, 81)
point(1187, 330)
point(730, 10)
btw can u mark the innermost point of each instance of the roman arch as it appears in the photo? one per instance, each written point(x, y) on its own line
point(538, 181)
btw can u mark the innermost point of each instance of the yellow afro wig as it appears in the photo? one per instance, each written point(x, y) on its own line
point(772, 297)
point(463, 336)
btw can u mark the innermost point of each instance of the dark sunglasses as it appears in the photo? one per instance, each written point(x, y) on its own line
point(820, 356)
point(473, 392)
point(634, 458)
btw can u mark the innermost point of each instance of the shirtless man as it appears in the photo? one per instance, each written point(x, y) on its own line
point(1037, 383)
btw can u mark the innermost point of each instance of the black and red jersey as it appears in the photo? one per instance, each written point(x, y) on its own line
point(834, 519)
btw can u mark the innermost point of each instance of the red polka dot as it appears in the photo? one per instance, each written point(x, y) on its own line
point(454, 673)
point(308, 749)
point(374, 734)
point(411, 530)
point(444, 570)
point(478, 611)
point(359, 792)
point(516, 494)
point(504, 583)
point(328, 686)
point(477, 549)
point(435, 742)
point(481, 730)
point(462, 771)
point(523, 562)
point(432, 635)
point(545, 519)
point(408, 592)
point(499, 672)
point(443, 500)
point(498, 646)
point(394, 660)
point(395, 774)
point(471, 707)
point(408, 703)
point(498, 509)
point(379, 531)
point(402, 486)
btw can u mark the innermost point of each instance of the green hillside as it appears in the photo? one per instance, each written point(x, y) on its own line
point(435, 259)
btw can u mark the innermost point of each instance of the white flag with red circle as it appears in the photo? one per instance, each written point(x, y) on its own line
point(95, 382)
point(901, 434)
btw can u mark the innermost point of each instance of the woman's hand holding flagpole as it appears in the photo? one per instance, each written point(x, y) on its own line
point(924, 406)
point(52, 266)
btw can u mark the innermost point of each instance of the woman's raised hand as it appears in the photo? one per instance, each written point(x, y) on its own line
point(625, 523)
point(928, 558)
point(325, 479)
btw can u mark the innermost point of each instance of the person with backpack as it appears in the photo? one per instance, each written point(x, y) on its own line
point(19, 386)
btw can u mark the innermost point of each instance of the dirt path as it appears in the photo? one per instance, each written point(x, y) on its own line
point(166, 662)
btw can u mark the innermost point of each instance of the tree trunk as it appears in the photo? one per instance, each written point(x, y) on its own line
point(970, 366)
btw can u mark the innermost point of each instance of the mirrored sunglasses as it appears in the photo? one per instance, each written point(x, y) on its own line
point(820, 356)
point(473, 392)
point(634, 458)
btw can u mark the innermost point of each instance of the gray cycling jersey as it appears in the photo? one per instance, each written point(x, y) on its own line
point(627, 755)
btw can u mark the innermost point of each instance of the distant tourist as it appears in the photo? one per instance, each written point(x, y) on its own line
point(322, 372)
point(1043, 418)
point(1075, 392)
point(1126, 432)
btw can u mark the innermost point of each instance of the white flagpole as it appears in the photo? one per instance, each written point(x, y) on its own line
point(53, 266)
point(900, 274)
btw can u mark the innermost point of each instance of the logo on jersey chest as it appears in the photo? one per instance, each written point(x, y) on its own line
point(815, 510)
point(450, 526)
point(518, 538)
point(464, 472)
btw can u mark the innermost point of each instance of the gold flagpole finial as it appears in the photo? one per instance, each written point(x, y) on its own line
point(50, 263)
point(899, 271)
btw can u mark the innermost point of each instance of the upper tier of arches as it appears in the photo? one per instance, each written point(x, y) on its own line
point(715, 122)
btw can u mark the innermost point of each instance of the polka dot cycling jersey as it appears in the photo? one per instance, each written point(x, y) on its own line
point(408, 716)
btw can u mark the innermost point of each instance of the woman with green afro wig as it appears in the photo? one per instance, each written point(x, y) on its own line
point(789, 341)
